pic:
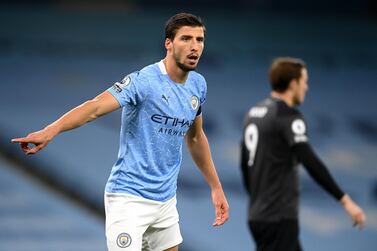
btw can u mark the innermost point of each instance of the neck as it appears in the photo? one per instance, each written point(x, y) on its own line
point(175, 73)
point(285, 96)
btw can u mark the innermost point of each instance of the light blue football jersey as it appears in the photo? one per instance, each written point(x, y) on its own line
point(156, 116)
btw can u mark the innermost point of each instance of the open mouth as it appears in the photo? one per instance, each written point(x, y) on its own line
point(193, 58)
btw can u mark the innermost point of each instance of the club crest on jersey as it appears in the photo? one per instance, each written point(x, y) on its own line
point(118, 87)
point(194, 102)
point(124, 240)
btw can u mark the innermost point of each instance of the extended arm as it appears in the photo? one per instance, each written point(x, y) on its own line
point(198, 146)
point(321, 175)
point(84, 113)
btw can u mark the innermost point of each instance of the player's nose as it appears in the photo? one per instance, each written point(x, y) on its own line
point(194, 45)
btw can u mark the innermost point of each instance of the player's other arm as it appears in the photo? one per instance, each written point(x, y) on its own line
point(321, 175)
point(244, 166)
point(84, 113)
point(198, 146)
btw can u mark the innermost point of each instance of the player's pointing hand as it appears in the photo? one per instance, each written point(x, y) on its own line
point(39, 139)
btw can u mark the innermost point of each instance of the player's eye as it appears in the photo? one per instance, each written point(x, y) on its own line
point(185, 38)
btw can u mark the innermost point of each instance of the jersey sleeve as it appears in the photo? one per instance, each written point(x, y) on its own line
point(203, 94)
point(317, 169)
point(131, 91)
point(295, 129)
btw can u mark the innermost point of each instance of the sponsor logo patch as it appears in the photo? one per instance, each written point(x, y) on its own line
point(118, 87)
point(126, 81)
point(299, 129)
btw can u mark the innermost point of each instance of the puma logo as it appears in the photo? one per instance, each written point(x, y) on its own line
point(166, 98)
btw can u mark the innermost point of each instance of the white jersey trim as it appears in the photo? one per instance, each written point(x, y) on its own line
point(162, 67)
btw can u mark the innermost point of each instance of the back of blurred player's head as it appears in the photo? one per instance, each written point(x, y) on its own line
point(283, 70)
point(179, 20)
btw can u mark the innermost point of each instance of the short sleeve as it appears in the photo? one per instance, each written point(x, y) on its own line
point(203, 94)
point(132, 90)
point(295, 129)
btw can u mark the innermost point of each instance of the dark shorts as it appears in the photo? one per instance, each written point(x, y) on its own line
point(275, 236)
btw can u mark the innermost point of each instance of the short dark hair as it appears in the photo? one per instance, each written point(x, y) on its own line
point(181, 19)
point(283, 70)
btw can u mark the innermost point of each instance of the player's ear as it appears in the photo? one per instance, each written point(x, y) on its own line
point(293, 84)
point(168, 43)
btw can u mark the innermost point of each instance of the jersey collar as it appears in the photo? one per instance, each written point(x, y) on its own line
point(162, 67)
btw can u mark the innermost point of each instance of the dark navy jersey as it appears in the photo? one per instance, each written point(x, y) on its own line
point(271, 129)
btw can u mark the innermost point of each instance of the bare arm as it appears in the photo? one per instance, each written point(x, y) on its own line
point(198, 146)
point(84, 113)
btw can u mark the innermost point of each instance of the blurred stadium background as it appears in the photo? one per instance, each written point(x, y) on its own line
point(55, 54)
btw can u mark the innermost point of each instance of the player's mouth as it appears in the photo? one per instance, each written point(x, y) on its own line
point(193, 58)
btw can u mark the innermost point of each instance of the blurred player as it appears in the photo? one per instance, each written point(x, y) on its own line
point(274, 142)
point(161, 106)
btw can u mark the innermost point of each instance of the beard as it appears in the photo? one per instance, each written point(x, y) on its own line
point(185, 68)
point(297, 101)
point(182, 66)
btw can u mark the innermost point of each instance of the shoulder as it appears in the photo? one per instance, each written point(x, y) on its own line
point(198, 83)
point(285, 111)
point(263, 107)
point(197, 77)
point(292, 119)
point(136, 81)
point(142, 77)
point(149, 72)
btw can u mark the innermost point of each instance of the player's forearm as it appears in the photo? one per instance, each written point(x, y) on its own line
point(317, 169)
point(76, 117)
point(84, 113)
point(201, 154)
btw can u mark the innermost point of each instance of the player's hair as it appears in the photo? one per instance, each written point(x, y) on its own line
point(182, 19)
point(283, 70)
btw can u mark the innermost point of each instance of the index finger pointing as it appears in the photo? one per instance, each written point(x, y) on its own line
point(19, 140)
